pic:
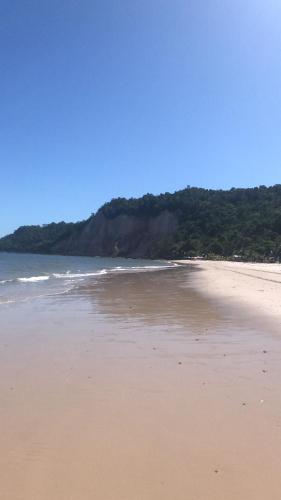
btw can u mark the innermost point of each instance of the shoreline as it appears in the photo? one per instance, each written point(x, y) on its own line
point(255, 286)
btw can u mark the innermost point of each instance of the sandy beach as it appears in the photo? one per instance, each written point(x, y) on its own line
point(143, 386)
point(255, 286)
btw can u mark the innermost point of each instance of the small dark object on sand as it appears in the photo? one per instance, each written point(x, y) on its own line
point(179, 363)
point(264, 352)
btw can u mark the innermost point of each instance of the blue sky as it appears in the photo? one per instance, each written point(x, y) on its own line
point(121, 97)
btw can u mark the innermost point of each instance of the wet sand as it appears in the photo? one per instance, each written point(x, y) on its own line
point(139, 387)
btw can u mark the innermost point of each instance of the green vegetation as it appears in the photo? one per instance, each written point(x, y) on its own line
point(238, 222)
point(214, 223)
point(37, 239)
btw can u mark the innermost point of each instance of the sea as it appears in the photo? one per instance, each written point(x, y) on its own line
point(27, 276)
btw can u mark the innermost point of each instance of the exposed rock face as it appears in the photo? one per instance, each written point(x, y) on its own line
point(124, 235)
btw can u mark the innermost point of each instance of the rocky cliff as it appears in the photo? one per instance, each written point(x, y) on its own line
point(124, 235)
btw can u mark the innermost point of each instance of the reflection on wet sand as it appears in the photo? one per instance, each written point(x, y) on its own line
point(155, 298)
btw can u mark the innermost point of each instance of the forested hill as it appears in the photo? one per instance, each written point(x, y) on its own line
point(190, 222)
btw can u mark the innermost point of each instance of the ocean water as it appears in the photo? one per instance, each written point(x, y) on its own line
point(27, 276)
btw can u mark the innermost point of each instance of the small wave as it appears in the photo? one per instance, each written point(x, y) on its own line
point(78, 275)
point(33, 279)
point(151, 267)
point(69, 275)
point(142, 268)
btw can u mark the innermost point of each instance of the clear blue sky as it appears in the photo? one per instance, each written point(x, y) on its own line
point(122, 97)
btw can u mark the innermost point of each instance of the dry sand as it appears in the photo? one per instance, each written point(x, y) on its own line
point(256, 286)
point(139, 388)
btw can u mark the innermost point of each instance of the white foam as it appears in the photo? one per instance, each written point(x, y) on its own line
point(34, 279)
point(78, 275)
point(142, 268)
